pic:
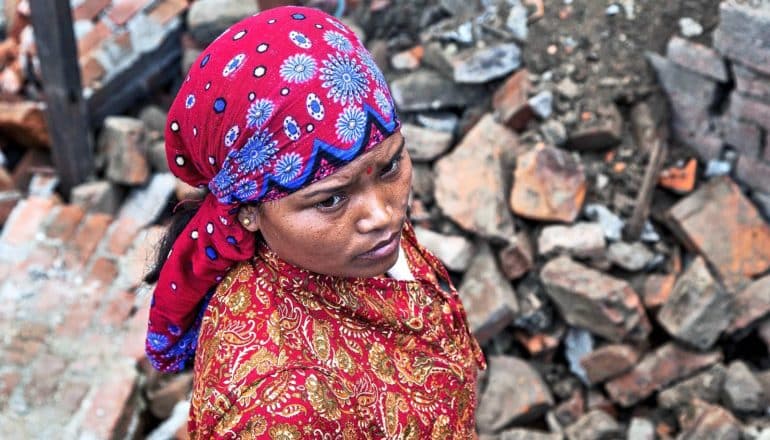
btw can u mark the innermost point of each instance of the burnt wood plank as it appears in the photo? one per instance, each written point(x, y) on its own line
point(66, 113)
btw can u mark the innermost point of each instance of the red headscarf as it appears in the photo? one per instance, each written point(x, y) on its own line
point(278, 101)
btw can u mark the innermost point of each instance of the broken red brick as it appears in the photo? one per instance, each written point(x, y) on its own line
point(751, 304)
point(89, 9)
point(103, 272)
point(549, 184)
point(124, 10)
point(122, 234)
point(703, 420)
point(721, 224)
point(117, 309)
point(163, 12)
point(517, 258)
point(657, 289)
point(657, 370)
point(679, 179)
point(510, 101)
point(65, 222)
point(9, 379)
point(86, 239)
point(24, 122)
point(602, 129)
point(538, 344)
point(26, 219)
point(93, 38)
point(608, 361)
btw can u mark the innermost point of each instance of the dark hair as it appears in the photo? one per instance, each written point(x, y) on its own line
point(182, 215)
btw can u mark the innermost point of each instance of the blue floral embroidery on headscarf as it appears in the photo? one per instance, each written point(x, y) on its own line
point(344, 79)
point(298, 68)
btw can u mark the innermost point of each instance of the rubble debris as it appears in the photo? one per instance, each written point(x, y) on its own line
point(739, 248)
point(742, 392)
point(602, 128)
point(548, 184)
point(608, 361)
point(657, 370)
point(751, 304)
point(698, 308)
point(425, 144)
point(611, 224)
point(455, 251)
point(123, 143)
point(703, 420)
point(680, 179)
point(580, 240)
point(641, 429)
point(632, 257)
point(207, 19)
point(706, 386)
point(594, 425)
point(697, 58)
point(577, 344)
point(426, 89)
point(517, 258)
point(741, 34)
point(514, 393)
point(510, 101)
point(586, 298)
point(477, 205)
point(490, 301)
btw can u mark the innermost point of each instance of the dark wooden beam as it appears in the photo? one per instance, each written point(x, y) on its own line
point(66, 113)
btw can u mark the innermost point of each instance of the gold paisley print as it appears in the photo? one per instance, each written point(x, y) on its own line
point(320, 397)
point(381, 364)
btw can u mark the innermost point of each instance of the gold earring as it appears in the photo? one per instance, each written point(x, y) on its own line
point(246, 222)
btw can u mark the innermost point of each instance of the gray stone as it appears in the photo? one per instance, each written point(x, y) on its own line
point(611, 224)
point(750, 109)
point(145, 204)
point(577, 344)
point(515, 393)
point(189, 56)
point(751, 83)
point(516, 21)
point(706, 386)
point(745, 137)
point(569, 89)
point(751, 304)
point(743, 33)
point(697, 58)
point(425, 144)
point(607, 306)
point(698, 308)
point(689, 27)
point(455, 251)
point(762, 200)
point(207, 19)
point(426, 89)
point(154, 119)
point(99, 196)
point(477, 205)
point(640, 429)
point(477, 66)
point(489, 298)
point(439, 121)
point(594, 425)
point(156, 155)
point(123, 142)
point(582, 240)
point(632, 257)
point(554, 132)
point(542, 104)
point(742, 392)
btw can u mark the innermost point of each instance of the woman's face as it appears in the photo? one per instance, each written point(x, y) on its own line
point(348, 224)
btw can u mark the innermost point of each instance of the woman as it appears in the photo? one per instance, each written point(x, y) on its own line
point(297, 286)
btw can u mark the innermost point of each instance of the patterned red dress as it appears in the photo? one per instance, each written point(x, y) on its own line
point(288, 354)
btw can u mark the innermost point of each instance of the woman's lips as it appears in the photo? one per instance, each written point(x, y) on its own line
point(383, 249)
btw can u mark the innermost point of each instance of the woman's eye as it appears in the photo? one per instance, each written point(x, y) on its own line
point(392, 166)
point(331, 202)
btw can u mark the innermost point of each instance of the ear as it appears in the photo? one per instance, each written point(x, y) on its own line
point(248, 216)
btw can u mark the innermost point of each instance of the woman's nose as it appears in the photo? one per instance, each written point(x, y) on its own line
point(376, 213)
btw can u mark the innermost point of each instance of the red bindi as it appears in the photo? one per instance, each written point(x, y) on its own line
point(369, 170)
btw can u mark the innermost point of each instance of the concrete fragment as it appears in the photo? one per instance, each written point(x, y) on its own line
point(426, 89)
point(586, 298)
point(207, 19)
point(739, 248)
point(697, 58)
point(698, 308)
point(632, 257)
point(439, 121)
point(689, 27)
point(143, 205)
point(594, 425)
point(549, 184)
point(455, 251)
point(742, 392)
point(582, 240)
point(611, 224)
point(123, 143)
point(609, 361)
point(515, 393)
point(489, 298)
point(425, 144)
point(469, 184)
point(657, 370)
point(577, 344)
point(706, 386)
point(542, 104)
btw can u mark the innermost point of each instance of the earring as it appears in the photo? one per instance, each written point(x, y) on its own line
point(246, 222)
